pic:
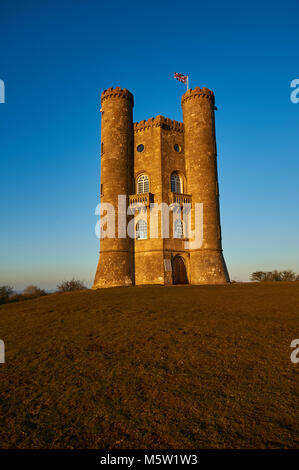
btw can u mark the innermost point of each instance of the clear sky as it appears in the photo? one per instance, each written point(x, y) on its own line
point(56, 57)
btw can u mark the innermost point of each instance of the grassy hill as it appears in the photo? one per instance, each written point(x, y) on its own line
point(152, 367)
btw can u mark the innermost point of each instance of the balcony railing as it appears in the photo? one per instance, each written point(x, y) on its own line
point(137, 200)
point(144, 199)
point(180, 199)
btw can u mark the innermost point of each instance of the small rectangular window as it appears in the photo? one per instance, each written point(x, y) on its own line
point(167, 265)
point(102, 147)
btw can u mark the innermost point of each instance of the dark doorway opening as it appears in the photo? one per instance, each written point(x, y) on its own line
point(179, 271)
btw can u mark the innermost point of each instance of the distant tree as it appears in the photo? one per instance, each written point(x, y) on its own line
point(5, 293)
point(274, 276)
point(288, 275)
point(33, 291)
point(69, 286)
point(17, 298)
point(258, 276)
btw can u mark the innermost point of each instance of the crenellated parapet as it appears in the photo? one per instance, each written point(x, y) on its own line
point(202, 93)
point(117, 92)
point(159, 121)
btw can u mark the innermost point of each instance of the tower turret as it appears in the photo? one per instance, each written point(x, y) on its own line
point(115, 267)
point(207, 264)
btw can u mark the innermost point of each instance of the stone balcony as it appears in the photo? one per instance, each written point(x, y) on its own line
point(144, 199)
point(180, 199)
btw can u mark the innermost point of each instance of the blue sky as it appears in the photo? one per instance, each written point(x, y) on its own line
point(55, 60)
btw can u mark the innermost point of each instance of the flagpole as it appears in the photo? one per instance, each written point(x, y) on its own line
point(187, 82)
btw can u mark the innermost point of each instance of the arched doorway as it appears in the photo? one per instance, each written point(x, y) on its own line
point(179, 271)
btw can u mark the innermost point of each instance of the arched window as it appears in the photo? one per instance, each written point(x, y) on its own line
point(141, 230)
point(142, 184)
point(178, 229)
point(176, 183)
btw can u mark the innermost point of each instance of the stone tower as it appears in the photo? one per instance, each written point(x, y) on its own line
point(160, 161)
point(115, 267)
point(207, 264)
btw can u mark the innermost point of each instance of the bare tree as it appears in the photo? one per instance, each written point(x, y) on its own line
point(288, 275)
point(5, 293)
point(258, 276)
point(33, 291)
point(274, 276)
point(69, 286)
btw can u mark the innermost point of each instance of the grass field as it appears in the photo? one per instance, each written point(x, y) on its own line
point(152, 367)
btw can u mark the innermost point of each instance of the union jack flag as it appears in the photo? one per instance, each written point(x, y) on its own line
point(180, 77)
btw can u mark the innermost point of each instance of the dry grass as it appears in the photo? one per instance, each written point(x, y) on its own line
point(152, 367)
